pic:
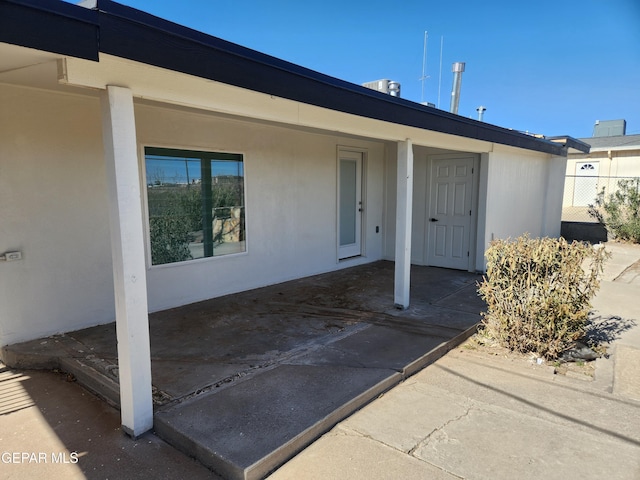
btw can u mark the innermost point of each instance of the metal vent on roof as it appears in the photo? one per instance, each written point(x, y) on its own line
point(389, 87)
point(457, 69)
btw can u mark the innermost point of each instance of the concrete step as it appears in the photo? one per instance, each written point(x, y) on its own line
point(98, 378)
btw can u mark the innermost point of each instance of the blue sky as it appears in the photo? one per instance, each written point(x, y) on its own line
point(549, 67)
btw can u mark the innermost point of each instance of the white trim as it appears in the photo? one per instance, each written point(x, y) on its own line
point(145, 203)
point(157, 84)
point(356, 249)
point(482, 198)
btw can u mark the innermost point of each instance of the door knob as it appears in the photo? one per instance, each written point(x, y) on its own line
point(433, 219)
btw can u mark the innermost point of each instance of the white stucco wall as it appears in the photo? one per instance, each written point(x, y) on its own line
point(52, 192)
point(523, 194)
point(552, 220)
point(518, 192)
point(291, 192)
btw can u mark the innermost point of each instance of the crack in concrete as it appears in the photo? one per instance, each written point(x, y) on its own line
point(342, 430)
point(425, 442)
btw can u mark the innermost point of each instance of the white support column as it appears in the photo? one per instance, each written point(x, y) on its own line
point(404, 209)
point(129, 270)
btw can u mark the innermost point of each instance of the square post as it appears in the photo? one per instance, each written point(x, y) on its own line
point(129, 269)
point(404, 210)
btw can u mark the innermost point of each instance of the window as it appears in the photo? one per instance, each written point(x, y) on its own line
point(196, 204)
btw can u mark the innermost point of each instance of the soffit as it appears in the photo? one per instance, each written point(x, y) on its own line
point(173, 88)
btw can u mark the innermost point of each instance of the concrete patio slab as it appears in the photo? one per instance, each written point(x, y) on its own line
point(181, 378)
point(374, 347)
point(248, 430)
point(281, 364)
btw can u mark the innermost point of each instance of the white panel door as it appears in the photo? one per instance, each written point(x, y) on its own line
point(450, 219)
point(586, 183)
point(349, 204)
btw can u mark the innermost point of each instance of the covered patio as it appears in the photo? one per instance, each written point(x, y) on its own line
point(129, 124)
point(243, 382)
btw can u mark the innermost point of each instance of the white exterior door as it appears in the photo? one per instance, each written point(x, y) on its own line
point(585, 188)
point(450, 212)
point(349, 204)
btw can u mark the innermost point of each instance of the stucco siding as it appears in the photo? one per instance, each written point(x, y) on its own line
point(53, 197)
point(291, 204)
point(519, 197)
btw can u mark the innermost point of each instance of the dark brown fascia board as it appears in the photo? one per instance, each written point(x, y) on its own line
point(571, 143)
point(52, 26)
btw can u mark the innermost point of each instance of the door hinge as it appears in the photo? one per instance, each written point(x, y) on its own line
point(471, 170)
point(467, 254)
point(469, 212)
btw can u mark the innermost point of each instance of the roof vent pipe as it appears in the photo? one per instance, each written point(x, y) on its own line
point(457, 69)
point(394, 88)
point(481, 109)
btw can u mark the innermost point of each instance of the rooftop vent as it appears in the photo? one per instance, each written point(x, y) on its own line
point(609, 128)
point(389, 87)
point(481, 109)
point(457, 69)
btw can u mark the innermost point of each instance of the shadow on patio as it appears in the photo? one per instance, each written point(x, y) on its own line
point(245, 381)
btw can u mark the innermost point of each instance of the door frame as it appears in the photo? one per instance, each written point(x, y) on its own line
point(356, 249)
point(582, 182)
point(473, 224)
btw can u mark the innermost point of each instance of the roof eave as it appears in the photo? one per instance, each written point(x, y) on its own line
point(56, 27)
point(135, 35)
point(570, 144)
point(139, 36)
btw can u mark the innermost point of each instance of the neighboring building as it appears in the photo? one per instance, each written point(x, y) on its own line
point(613, 156)
point(114, 124)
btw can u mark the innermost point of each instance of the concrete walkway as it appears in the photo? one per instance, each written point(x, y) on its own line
point(476, 416)
point(51, 428)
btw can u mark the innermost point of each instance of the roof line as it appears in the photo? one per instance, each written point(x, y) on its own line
point(125, 32)
point(56, 27)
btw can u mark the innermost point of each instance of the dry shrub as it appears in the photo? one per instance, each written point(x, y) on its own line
point(620, 210)
point(538, 293)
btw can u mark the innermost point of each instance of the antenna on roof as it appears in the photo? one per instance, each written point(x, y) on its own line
point(424, 64)
point(440, 74)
